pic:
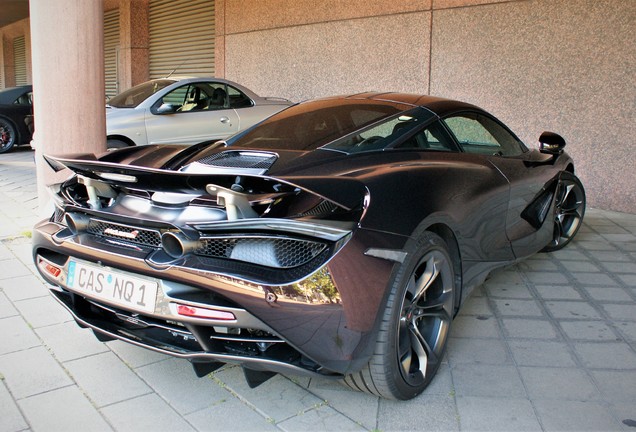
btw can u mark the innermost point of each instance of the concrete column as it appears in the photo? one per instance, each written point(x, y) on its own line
point(133, 43)
point(67, 45)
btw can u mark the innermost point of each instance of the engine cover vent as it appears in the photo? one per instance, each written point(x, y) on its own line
point(248, 162)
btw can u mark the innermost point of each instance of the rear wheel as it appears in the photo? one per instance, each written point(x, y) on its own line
point(8, 135)
point(415, 326)
point(569, 209)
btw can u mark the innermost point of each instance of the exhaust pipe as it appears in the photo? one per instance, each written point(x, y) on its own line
point(76, 222)
point(177, 245)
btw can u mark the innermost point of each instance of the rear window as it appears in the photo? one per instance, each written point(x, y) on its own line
point(314, 124)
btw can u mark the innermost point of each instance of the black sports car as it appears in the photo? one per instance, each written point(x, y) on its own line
point(337, 238)
point(16, 117)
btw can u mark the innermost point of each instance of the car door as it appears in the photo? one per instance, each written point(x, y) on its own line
point(190, 114)
point(478, 133)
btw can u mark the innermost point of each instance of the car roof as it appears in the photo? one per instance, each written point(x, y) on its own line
point(10, 94)
point(438, 105)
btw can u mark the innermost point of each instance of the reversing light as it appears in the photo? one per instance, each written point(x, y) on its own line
point(198, 312)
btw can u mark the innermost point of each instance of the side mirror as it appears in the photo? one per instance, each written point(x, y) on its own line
point(551, 143)
point(166, 108)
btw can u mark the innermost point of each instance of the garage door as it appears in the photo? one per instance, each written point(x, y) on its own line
point(19, 61)
point(181, 34)
point(111, 44)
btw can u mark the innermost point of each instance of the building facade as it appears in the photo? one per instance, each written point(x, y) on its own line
point(563, 65)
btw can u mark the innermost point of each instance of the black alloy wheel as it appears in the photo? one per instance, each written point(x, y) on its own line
point(415, 327)
point(569, 209)
point(8, 135)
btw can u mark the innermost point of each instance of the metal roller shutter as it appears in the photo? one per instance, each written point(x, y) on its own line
point(111, 45)
point(181, 36)
point(19, 61)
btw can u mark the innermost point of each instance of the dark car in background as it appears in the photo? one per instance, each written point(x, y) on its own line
point(16, 116)
point(338, 238)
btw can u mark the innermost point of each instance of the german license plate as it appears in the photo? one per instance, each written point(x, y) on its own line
point(112, 286)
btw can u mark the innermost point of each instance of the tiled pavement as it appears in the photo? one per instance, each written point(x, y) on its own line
point(548, 344)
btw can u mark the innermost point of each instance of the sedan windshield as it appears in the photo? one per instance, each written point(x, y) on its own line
point(310, 125)
point(136, 95)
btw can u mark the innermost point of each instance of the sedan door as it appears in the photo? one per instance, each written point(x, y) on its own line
point(190, 114)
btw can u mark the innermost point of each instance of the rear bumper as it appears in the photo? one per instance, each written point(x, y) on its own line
point(294, 329)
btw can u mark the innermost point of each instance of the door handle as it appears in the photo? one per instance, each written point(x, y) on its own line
point(225, 119)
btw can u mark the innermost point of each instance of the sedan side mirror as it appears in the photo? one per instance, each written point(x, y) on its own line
point(166, 108)
point(551, 143)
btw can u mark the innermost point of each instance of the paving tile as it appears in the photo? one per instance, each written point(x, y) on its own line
point(558, 383)
point(572, 310)
point(528, 328)
point(569, 254)
point(588, 330)
point(627, 329)
point(594, 279)
point(430, 413)
point(16, 335)
point(505, 277)
point(488, 381)
point(42, 311)
point(11, 419)
point(620, 267)
point(627, 279)
point(322, 418)
point(471, 326)
point(145, 413)
point(547, 278)
point(65, 409)
point(105, 379)
point(559, 415)
point(626, 312)
point(360, 407)
point(541, 353)
point(515, 307)
point(558, 292)
point(278, 398)
point(476, 306)
point(32, 371)
point(23, 287)
point(508, 291)
point(175, 381)
point(6, 307)
point(468, 350)
point(537, 265)
point(68, 341)
point(608, 294)
point(596, 246)
point(13, 268)
point(230, 414)
point(496, 414)
point(611, 257)
point(610, 355)
point(135, 356)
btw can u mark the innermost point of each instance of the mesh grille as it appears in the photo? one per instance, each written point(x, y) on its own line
point(239, 160)
point(268, 251)
point(123, 233)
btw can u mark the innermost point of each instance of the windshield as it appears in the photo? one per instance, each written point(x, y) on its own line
point(136, 95)
point(310, 125)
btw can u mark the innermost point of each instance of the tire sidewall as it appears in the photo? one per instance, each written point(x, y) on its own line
point(424, 244)
point(4, 122)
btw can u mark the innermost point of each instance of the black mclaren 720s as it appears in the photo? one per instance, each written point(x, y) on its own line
point(337, 238)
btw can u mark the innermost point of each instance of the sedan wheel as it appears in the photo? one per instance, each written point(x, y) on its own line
point(7, 135)
point(569, 209)
point(415, 327)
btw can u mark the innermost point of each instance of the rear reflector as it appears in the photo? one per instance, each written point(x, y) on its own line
point(52, 270)
point(197, 312)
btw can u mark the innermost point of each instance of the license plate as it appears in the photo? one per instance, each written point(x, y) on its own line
point(112, 286)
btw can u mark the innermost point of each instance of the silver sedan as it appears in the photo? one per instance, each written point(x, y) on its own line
point(184, 111)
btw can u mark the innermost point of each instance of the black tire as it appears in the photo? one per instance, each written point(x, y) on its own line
point(112, 144)
point(8, 135)
point(415, 325)
point(569, 209)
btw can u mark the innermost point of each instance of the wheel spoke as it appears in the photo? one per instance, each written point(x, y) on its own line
point(421, 349)
point(426, 279)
